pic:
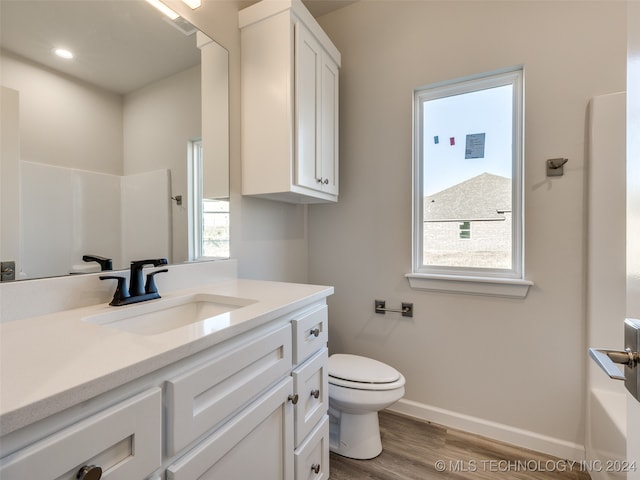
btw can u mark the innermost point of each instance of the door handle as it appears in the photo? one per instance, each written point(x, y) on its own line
point(607, 360)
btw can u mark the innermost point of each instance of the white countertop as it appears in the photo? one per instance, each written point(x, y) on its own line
point(52, 362)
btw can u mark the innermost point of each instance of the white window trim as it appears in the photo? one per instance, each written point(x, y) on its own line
point(473, 285)
point(494, 282)
point(194, 173)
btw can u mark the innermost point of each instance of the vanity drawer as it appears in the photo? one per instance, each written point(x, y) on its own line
point(309, 333)
point(255, 444)
point(312, 457)
point(311, 384)
point(200, 399)
point(123, 440)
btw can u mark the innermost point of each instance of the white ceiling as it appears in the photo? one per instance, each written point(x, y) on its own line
point(119, 45)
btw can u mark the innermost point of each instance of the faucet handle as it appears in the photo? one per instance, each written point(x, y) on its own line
point(104, 262)
point(121, 293)
point(150, 286)
point(156, 262)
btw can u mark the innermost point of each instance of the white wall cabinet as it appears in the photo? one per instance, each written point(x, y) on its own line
point(289, 78)
point(253, 406)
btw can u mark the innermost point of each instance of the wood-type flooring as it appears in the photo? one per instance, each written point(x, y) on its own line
point(417, 450)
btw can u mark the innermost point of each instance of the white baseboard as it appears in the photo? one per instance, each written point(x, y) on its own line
point(497, 431)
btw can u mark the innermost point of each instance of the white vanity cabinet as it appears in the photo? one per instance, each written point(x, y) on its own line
point(262, 407)
point(289, 76)
point(253, 405)
point(124, 441)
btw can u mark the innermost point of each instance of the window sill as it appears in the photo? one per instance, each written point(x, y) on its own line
point(496, 287)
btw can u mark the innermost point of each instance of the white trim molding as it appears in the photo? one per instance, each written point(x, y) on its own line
point(491, 286)
point(504, 433)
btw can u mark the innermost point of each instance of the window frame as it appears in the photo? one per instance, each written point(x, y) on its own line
point(196, 210)
point(195, 218)
point(422, 275)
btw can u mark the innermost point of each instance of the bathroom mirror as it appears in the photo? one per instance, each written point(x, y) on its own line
point(96, 149)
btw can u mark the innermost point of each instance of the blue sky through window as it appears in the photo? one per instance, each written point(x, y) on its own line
point(486, 111)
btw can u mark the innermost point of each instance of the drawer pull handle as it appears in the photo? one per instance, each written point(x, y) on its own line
point(89, 472)
point(315, 394)
point(315, 468)
point(315, 332)
point(293, 398)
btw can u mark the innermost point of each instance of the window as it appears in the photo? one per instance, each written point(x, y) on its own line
point(468, 159)
point(465, 230)
point(208, 218)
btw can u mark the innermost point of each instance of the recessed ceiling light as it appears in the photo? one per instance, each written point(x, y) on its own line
point(63, 53)
point(163, 8)
point(193, 3)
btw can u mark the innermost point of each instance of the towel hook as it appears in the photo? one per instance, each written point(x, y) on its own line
point(555, 166)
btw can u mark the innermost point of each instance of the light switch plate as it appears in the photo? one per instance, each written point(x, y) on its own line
point(632, 342)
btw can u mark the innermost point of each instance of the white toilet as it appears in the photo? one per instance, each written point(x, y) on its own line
point(359, 387)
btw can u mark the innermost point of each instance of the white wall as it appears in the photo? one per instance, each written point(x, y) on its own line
point(514, 369)
point(78, 127)
point(158, 121)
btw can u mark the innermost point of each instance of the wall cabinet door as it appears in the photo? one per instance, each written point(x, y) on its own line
point(329, 125)
point(308, 77)
point(316, 114)
point(256, 443)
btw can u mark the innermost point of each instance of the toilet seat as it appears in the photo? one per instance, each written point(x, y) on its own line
point(354, 371)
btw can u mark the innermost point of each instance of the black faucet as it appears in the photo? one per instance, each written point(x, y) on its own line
point(105, 263)
point(137, 293)
point(136, 286)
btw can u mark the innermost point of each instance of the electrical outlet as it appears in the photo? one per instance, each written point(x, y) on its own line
point(7, 271)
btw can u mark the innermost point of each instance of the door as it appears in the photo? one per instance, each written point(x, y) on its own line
point(630, 357)
point(633, 214)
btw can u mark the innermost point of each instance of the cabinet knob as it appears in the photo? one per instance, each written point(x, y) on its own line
point(293, 398)
point(315, 468)
point(89, 472)
point(315, 393)
point(315, 332)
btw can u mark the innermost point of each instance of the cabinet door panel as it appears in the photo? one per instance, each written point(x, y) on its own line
point(310, 382)
point(205, 396)
point(257, 443)
point(123, 440)
point(312, 457)
point(329, 125)
point(307, 71)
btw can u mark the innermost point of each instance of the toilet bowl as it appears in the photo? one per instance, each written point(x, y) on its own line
point(359, 387)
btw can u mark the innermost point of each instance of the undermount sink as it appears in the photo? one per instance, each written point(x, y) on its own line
point(168, 314)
